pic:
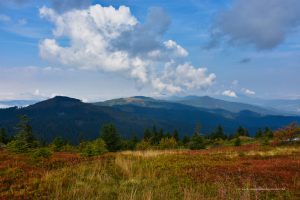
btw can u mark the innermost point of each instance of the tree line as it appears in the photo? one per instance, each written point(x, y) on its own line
point(110, 140)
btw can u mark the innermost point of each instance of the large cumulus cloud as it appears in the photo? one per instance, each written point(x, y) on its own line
point(262, 23)
point(113, 40)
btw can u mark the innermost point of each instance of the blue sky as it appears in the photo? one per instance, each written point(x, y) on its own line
point(151, 48)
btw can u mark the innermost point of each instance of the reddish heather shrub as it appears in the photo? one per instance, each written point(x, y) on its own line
point(286, 134)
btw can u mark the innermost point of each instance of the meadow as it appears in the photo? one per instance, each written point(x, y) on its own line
point(250, 171)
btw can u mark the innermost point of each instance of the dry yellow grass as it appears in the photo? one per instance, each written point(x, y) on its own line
point(218, 173)
point(180, 174)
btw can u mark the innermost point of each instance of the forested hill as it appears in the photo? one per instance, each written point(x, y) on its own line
point(73, 119)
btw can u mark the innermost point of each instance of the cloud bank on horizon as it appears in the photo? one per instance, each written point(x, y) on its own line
point(113, 40)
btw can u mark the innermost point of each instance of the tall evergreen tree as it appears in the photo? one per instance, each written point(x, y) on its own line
point(58, 143)
point(134, 139)
point(154, 130)
point(219, 133)
point(131, 144)
point(161, 134)
point(176, 135)
point(111, 137)
point(24, 130)
point(185, 140)
point(148, 135)
point(268, 132)
point(168, 135)
point(24, 139)
point(157, 136)
point(241, 131)
point(197, 141)
point(259, 133)
point(3, 136)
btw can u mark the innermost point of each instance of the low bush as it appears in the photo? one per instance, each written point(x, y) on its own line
point(168, 143)
point(42, 153)
point(94, 148)
point(237, 142)
point(286, 135)
point(143, 145)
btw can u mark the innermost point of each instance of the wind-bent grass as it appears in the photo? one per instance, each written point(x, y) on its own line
point(208, 174)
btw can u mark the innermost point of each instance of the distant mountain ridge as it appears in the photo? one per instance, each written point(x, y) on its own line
point(262, 106)
point(213, 103)
point(203, 102)
point(74, 119)
point(287, 106)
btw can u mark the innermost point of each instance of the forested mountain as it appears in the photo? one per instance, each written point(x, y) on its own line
point(213, 103)
point(73, 119)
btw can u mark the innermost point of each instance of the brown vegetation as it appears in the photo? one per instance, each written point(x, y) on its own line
point(245, 172)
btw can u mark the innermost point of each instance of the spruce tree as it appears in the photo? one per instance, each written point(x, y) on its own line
point(259, 133)
point(268, 132)
point(241, 131)
point(185, 139)
point(148, 135)
point(3, 136)
point(58, 143)
point(219, 133)
point(197, 141)
point(111, 137)
point(176, 135)
point(24, 139)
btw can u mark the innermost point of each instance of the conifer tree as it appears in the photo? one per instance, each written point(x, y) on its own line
point(259, 133)
point(3, 136)
point(176, 135)
point(197, 141)
point(219, 133)
point(148, 135)
point(241, 131)
point(185, 139)
point(268, 132)
point(111, 137)
point(24, 139)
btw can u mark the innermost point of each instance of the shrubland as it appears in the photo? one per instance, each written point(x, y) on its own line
point(160, 165)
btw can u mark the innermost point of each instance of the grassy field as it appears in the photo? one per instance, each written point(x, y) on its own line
point(245, 172)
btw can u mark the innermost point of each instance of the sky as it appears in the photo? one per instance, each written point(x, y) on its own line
point(97, 50)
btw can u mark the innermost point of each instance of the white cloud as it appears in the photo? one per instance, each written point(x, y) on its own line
point(248, 92)
point(183, 76)
point(23, 96)
point(229, 93)
point(37, 92)
point(178, 50)
point(265, 24)
point(113, 40)
point(4, 106)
